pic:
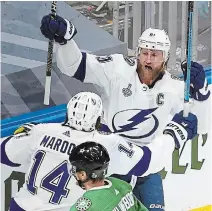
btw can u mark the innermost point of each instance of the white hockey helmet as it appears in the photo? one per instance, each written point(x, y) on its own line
point(83, 110)
point(154, 39)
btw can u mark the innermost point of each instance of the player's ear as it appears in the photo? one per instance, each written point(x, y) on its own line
point(82, 175)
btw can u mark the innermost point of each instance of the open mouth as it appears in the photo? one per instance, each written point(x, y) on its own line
point(148, 68)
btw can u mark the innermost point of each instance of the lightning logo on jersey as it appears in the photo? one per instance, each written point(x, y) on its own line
point(142, 122)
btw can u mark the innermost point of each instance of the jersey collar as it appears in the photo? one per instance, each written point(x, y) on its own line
point(145, 87)
point(103, 187)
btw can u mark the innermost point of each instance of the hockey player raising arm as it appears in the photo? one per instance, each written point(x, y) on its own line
point(90, 163)
point(139, 94)
point(47, 147)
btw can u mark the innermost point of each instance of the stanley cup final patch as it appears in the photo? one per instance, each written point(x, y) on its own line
point(126, 91)
point(83, 204)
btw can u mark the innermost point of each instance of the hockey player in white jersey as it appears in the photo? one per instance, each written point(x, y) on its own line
point(138, 94)
point(48, 185)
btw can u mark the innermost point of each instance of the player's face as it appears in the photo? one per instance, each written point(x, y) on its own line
point(150, 64)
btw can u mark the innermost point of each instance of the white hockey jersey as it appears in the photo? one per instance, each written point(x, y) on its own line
point(132, 109)
point(48, 183)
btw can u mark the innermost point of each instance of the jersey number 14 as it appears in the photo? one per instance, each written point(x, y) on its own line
point(55, 181)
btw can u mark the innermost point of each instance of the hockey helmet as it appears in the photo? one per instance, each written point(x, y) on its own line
point(90, 157)
point(154, 39)
point(83, 110)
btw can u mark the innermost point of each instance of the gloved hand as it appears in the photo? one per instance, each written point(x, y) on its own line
point(57, 28)
point(25, 128)
point(182, 128)
point(199, 86)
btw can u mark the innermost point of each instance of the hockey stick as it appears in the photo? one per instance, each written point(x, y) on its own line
point(49, 60)
point(189, 58)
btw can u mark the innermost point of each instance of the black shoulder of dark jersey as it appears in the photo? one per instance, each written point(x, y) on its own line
point(176, 78)
point(130, 61)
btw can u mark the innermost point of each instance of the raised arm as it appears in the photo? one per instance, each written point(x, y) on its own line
point(71, 61)
point(200, 97)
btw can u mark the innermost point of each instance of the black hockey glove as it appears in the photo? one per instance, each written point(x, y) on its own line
point(199, 85)
point(182, 128)
point(57, 28)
